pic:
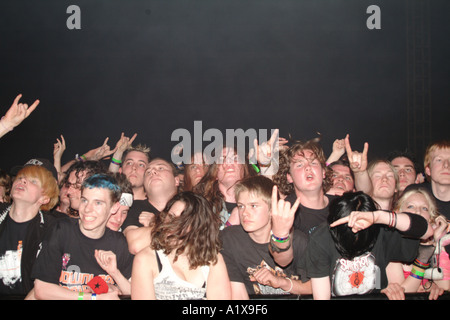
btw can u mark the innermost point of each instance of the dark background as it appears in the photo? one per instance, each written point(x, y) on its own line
point(151, 67)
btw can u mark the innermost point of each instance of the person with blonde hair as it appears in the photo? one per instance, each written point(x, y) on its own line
point(23, 225)
point(437, 170)
point(410, 276)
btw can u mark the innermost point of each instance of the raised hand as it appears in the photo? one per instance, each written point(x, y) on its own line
point(358, 161)
point(58, 148)
point(283, 214)
point(17, 113)
point(124, 142)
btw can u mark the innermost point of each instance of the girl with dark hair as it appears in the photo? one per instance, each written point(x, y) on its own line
point(183, 260)
point(349, 253)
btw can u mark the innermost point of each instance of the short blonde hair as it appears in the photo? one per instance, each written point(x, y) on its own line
point(48, 183)
point(432, 208)
point(443, 144)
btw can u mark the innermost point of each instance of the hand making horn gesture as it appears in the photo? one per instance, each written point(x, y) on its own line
point(357, 160)
point(17, 113)
point(283, 214)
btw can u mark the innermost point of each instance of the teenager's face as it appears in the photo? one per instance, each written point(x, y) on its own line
point(159, 177)
point(418, 204)
point(196, 172)
point(342, 178)
point(229, 170)
point(254, 213)
point(96, 207)
point(439, 167)
point(116, 220)
point(383, 181)
point(27, 189)
point(405, 171)
point(306, 172)
point(133, 168)
point(73, 185)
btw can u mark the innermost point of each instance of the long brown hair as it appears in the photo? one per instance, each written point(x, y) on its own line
point(195, 232)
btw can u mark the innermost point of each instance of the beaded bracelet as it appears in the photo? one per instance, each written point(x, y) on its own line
point(280, 240)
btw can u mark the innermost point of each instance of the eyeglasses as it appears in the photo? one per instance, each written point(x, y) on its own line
point(76, 186)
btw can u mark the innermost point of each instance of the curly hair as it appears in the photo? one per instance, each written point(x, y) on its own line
point(195, 232)
point(286, 158)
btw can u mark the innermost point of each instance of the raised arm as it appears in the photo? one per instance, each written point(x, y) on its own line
point(15, 115)
point(58, 149)
point(122, 145)
point(337, 151)
point(358, 164)
point(283, 216)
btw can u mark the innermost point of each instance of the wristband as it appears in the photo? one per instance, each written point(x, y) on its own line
point(80, 295)
point(115, 161)
point(280, 240)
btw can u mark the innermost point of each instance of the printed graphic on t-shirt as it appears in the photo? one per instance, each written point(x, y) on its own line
point(263, 289)
point(10, 272)
point(72, 278)
point(357, 276)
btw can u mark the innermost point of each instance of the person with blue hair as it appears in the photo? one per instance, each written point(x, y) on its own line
point(84, 251)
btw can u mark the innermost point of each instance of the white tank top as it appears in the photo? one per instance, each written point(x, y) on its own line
point(168, 286)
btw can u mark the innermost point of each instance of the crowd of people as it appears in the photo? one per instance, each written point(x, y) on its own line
point(119, 222)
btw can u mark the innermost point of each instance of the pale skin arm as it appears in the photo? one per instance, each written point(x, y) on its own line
point(337, 151)
point(267, 153)
point(58, 149)
point(137, 238)
point(15, 115)
point(50, 291)
point(358, 164)
point(142, 276)
point(218, 284)
point(238, 291)
point(94, 154)
point(266, 277)
point(283, 216)
point(122, 145)
point(108, 261)
point(321, 288)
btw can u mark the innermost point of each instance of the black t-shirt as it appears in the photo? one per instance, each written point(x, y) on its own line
point(362, 274)
point(136, 209)
point(442, 206)
point(243, 257)
point(307, 219)
point(67, 256)
point(12, 240)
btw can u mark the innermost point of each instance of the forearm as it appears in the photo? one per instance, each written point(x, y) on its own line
point(296, 286)
point(114, 165)
point(123, 283)
point(321, 288)
point(50, 291)
point(363, 182)
point(411, 225)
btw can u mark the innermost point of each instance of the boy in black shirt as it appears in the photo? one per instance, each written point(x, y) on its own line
point(72, 256)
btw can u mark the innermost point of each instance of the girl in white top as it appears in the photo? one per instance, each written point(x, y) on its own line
point(183, 259)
